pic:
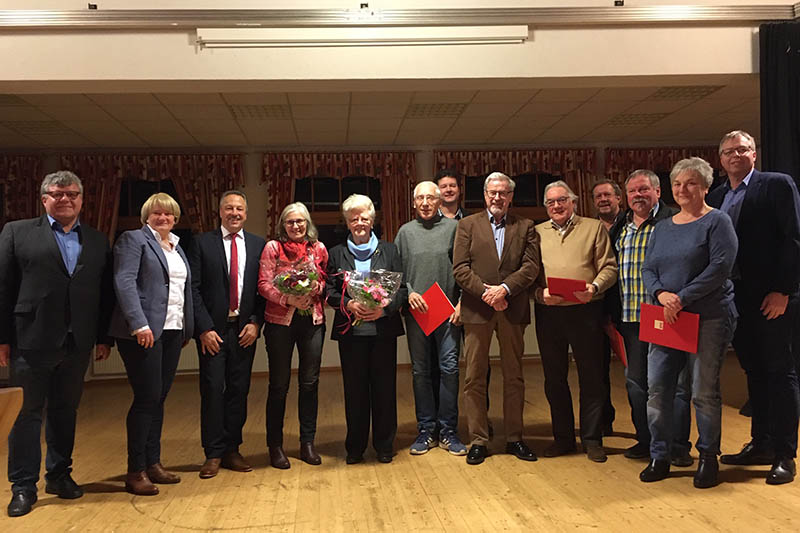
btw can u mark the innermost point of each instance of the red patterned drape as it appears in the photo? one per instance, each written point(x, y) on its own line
point(395, 170)
point(198, 178)
point(621, 161)
point(21, 179)
point(575, 166)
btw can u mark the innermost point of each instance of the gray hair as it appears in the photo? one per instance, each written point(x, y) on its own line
point(358, 202)
point(233, 193)
point(499, 176)
point(606, 181)
point(562, 184)
point(62, 178)
point(698, 166)
point(655, 181)
point(312, 235)
point(737, 133)
point(436, 189)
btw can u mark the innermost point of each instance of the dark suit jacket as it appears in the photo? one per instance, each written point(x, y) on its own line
point(40, 301)
point(769, 234)
point(211, 283)
point(386, 257)
point(475, 262)
point(613, 298)
point(141, 282)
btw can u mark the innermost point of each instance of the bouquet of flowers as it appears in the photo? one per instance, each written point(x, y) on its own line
point(297, 279)
point(372, 289)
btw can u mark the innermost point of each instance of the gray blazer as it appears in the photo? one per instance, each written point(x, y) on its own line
point(141, 282)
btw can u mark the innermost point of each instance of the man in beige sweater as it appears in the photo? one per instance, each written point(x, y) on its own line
point(577, 248)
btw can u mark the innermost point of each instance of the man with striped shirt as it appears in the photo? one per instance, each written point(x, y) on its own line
point(629, 236)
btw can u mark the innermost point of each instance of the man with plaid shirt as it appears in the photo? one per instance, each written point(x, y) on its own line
point(629, 237)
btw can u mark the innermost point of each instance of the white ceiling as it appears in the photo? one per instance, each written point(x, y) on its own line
point(650, 114)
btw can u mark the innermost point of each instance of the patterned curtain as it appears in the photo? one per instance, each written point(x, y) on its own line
point(21, 179)
point(576, 167)
point(621, 161)
point(198, 178)
point(395, 170)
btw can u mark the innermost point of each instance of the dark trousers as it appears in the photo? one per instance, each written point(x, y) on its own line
point(579, 326)
point(150, 373)
point(54, 379)
point(280, 341)
point(224, 384)
point(369, 373)
point(765, 353)
point(609, 413)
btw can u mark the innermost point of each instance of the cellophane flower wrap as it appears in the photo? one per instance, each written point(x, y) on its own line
point(297, 279)
point(372, 289)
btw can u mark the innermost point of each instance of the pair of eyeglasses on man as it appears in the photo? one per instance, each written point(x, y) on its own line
point(561, 200)
point(425, 198)
point(497, 194)
point(739, 150)
point(72, 195)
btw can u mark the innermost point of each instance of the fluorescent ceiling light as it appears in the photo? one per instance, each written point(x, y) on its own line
point(369, 36)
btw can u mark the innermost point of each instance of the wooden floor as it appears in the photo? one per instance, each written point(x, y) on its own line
point(433, 492)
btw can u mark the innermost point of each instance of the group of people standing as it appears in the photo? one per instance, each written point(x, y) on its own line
point(736, 264)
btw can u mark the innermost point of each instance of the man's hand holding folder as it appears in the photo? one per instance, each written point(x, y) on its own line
point(431, 308)
point(571, 290)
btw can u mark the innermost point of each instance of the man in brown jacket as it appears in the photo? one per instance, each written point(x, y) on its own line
point(495, 260)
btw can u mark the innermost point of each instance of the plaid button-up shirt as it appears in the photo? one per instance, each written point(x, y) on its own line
point(631, 245)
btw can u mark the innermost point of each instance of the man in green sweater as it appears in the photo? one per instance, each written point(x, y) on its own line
point(426, 249)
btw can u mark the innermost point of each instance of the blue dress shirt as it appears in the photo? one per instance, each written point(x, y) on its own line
point(732, 202)
point(69, 244)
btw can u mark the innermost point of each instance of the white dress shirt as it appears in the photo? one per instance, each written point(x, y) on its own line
point(177, 280)
point(241, 257)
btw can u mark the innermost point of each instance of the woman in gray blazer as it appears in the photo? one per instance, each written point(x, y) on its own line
point(152, 321)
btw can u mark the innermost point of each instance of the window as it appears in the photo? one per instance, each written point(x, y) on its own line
point(134, 193)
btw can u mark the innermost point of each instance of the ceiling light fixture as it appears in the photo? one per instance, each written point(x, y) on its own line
point(367, 36)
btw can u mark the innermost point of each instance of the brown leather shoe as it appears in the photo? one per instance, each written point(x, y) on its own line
point(277, 458)
point(234, 461)
point(309, 454)
point(210, 468)
point(138, 483)
point(157, 474)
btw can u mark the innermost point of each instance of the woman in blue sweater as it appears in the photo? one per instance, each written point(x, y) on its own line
point(687, 267)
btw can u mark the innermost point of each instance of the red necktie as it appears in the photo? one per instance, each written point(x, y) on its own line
point(233, 274)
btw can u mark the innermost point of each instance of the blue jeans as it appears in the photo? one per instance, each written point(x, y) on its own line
point(703, 367)
point(444, 343)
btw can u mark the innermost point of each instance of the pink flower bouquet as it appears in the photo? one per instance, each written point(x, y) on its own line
point(372, 289)
point(297, 279)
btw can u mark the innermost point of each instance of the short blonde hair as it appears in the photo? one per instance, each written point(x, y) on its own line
point(163, 201)
point(312, 235)
point(696, 165)
point(358, 202)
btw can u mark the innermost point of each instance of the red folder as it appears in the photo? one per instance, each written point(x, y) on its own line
point(682, 335)
point(617, 342)
point(439, 309)
point(566, 288)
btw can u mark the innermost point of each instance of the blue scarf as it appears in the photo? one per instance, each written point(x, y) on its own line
point(363, 252)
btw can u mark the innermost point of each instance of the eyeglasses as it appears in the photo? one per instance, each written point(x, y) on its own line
point(58, 195)
point(425, 198)
point(561, 200)
point(739, 150)
point(296, 222)
point(497, 194)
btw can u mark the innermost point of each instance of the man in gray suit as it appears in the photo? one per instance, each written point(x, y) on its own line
point(55, 300)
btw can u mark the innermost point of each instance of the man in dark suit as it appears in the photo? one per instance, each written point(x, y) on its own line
point(495, 260)
point(229, 314)
point(55, 301)
point(765, 210)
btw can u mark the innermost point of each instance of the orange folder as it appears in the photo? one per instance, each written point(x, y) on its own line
point(566, 288)
point(682, 335)
point(439, 309)
point(617, 342)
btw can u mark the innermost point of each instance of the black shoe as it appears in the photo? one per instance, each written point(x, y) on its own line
point(520, 450)
point(385, 457)
point(750, 455)
point(682, 460)
point(65, 487)
point(354, 459)
point(477, 454)
point(657, 469)
point(596, 453)
point(21, 503)
point(782, 471)
point(640, 450)
point(707, 475)
point(560, 448)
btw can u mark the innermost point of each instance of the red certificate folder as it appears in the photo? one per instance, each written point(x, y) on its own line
point(566, 288)
point(617, 342)
point(682, 335)
point(439, 309)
